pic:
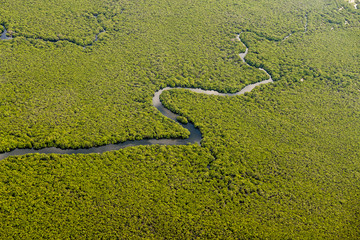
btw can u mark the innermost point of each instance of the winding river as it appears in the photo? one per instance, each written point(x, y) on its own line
point(195, 135)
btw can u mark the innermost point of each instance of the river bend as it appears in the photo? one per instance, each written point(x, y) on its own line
point(195, 135)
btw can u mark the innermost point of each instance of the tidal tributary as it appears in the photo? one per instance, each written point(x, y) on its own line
point(195, 134)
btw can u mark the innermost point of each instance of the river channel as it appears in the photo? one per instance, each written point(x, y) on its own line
point(195, 134)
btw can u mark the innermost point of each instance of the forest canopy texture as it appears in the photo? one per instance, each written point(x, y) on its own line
point(280, 162)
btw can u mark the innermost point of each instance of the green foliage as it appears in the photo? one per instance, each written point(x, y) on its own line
point(281, 162)
point(150, 192)
point(182, 119)
point(75, 21)
point(293, 150)
point(102, 94)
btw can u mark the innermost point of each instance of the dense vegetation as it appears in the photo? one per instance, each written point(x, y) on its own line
point(281, 162)
point(300, 164)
